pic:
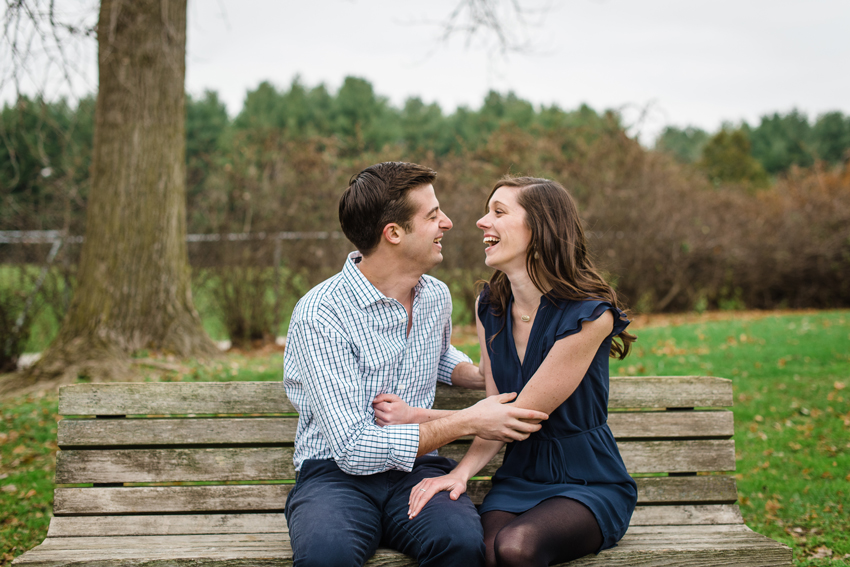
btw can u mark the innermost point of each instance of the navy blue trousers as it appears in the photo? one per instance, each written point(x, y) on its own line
point(339, 519)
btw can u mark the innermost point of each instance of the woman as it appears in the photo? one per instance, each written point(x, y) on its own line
point(547, 323)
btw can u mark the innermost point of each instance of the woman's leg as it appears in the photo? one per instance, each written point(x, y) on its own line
point(493, 522)
point(556, 530)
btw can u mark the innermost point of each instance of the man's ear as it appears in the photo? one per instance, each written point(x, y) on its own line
point(393, 233)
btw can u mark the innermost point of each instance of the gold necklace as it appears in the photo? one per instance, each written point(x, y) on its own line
point(527, 318)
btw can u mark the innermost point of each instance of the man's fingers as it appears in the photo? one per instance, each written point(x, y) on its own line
point(528, 414)
point(505, 398)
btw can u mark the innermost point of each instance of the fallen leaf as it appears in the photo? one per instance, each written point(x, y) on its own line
point(838, 385)
point(821, 552)
point(772, 506)
point(30, 494)
point(10, 488)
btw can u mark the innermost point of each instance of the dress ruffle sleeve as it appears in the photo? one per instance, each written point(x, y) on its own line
point(589, 310)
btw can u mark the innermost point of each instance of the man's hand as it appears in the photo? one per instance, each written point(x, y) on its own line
point(495, 419)
point(392, 410)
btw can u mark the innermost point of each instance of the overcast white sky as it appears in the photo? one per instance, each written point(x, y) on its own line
point(686, 62)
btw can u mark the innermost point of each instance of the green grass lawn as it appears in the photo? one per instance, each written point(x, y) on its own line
point(791, 376)
point(791, 383)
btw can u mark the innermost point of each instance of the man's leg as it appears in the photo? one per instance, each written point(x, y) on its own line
point(333, 518)
point(446, 532)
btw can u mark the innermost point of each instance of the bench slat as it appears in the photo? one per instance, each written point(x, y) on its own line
point(254, 497)
point(198, 524)
point(681, 489)
point(192, 524)
point(170, 499)
point(678, 456)
point(671, 424)
point(167, 398)
point(174, 465)
point(642, 546)
point(212, 431)
point(275, 463)
point(276, 430)
point(685, 515)
point(669, 392)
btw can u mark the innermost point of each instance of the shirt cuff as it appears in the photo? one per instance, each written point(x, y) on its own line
point(404, 446)
point(451, 358)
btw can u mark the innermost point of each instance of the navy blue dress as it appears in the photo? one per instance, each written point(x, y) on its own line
point(574, 454)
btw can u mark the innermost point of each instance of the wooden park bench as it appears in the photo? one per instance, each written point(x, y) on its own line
point(197, 474)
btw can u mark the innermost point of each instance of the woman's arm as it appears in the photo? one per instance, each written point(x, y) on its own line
point(565, 366)
point(479, 454)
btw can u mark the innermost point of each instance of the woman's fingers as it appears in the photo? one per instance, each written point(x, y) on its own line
point(422, 493)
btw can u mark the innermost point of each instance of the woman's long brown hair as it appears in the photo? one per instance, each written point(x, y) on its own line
point(561, 262)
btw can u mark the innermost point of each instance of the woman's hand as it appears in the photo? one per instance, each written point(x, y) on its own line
point(392, 410)
point(425, 490)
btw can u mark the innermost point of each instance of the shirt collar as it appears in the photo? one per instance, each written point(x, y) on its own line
point(366, 293)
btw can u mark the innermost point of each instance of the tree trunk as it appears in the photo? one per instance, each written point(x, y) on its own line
point(133, 281)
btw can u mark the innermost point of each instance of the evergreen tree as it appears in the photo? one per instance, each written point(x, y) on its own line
point(779, 142)
point(685, 144)
point(831, 137)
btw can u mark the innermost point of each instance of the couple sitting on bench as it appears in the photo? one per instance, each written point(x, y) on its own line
point(366, 348)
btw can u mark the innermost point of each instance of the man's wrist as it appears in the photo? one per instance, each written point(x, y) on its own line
point(464, 424)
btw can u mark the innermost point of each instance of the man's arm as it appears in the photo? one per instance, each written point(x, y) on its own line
point(492, 418)
point(327, 367)
point(391, 409)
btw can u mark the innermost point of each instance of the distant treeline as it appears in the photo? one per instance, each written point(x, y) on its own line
point(709, 222)
point(751, 154)
point(45, 147)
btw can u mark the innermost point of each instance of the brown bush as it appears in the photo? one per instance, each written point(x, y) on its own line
point(667, 238)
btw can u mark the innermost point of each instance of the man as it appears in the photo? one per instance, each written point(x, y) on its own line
point(381, 329)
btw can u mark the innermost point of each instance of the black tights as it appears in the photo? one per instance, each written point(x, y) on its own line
point(556, 530)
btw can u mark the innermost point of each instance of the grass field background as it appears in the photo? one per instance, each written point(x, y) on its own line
point(791, 380)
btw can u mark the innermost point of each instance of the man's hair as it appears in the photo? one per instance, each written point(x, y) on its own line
point(378, 196)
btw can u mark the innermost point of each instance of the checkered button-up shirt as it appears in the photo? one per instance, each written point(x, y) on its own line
point(347, 343)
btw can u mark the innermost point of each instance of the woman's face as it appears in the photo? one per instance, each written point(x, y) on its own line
point(505, 233)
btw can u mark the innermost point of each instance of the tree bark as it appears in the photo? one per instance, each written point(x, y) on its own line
point(134, 288)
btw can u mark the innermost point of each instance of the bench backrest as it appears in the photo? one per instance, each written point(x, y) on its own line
point(216, 457)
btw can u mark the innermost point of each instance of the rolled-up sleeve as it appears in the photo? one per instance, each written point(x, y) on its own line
point(328, 369)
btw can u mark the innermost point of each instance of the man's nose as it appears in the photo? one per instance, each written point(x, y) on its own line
point(447, 222)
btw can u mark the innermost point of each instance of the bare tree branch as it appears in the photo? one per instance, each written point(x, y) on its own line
point(39, 37)
point(505, 26)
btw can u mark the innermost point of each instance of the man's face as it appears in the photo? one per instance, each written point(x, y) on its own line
point(421, 244)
